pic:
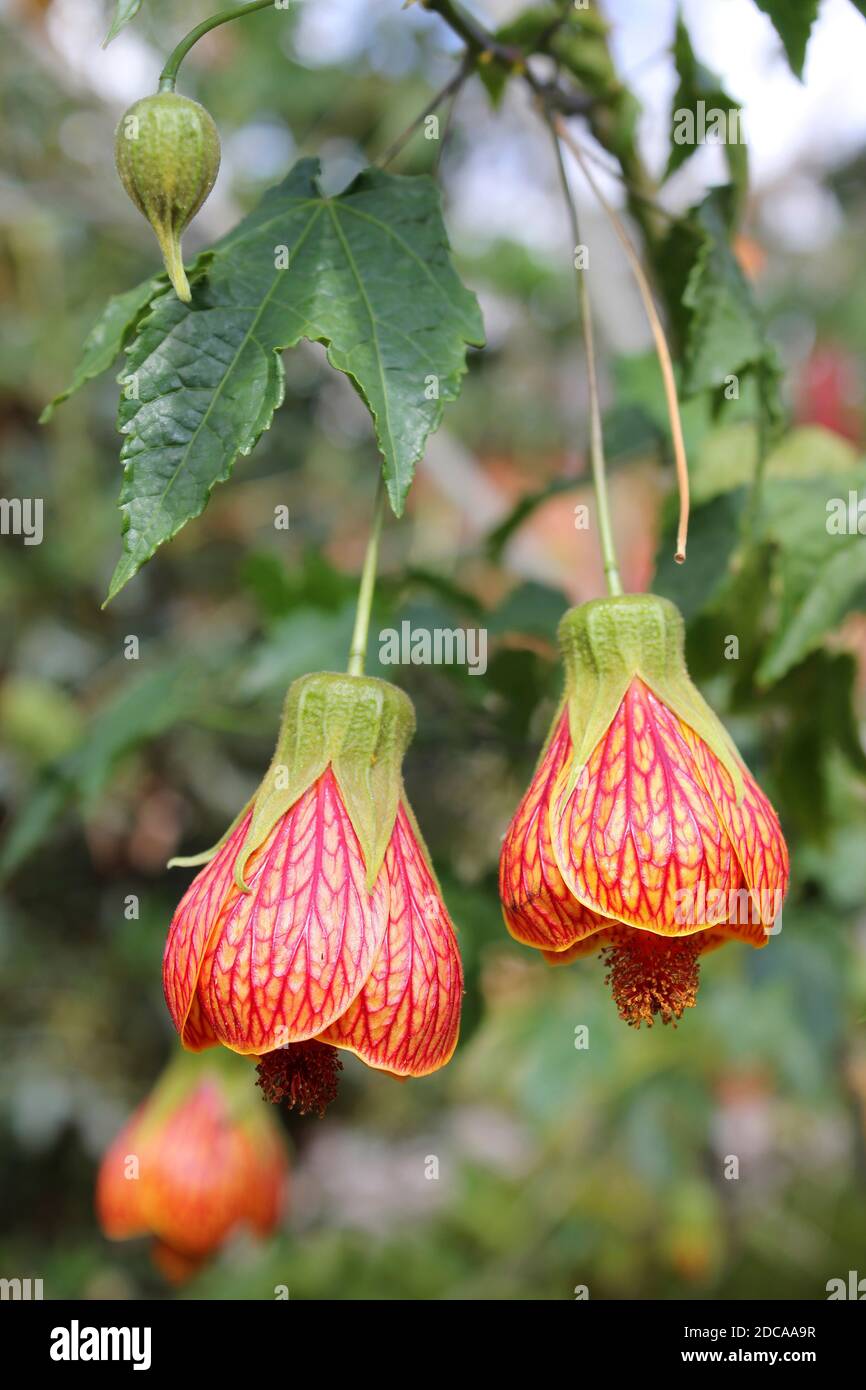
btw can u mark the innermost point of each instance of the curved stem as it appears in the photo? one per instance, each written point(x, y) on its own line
point(596, 437)
point(358, 649)
point(661, 342)
point(168, 76)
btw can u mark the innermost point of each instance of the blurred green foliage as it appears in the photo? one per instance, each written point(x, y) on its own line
point(559, 1166)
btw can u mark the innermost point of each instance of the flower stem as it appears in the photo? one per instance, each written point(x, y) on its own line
point(596, 438)
point(661, 343)
point(168, 76)
point(358, 649)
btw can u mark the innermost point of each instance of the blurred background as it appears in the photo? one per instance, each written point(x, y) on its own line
point(558, 1166)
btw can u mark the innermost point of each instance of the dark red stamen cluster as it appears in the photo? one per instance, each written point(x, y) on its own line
point(302, 1076)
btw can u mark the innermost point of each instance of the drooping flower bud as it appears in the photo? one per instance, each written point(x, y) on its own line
point(317, 923)
point(642, 832)
point(167, 151)
point(199, 1159)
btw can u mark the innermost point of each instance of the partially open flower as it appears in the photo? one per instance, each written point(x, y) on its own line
point(317, 922)
point(197, 1160)
point(642, 834)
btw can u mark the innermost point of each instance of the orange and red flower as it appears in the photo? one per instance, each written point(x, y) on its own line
point(197, 1160)
point(642, 832)
point(318, 923)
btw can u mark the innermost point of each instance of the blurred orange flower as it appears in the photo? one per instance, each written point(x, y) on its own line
point(199, 1158)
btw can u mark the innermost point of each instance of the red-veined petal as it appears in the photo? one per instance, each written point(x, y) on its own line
point(191, 927)
point(288, 957)
point(754, 829)
point(407, 1016)
point(639, 836)
point(538, 908)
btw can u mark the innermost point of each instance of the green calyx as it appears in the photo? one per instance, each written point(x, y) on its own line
point(361, 728)
point(358, 726)
point(606, 643)
point(186, 1072)
point(167, 151)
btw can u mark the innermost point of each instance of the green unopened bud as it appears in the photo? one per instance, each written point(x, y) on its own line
point(167, 151)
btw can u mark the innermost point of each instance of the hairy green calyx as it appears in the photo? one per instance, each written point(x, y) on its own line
point(361, 728)
point(167, 151)
point(358, 726)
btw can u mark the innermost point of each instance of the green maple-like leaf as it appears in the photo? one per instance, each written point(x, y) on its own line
point(817, 561)
point(793, 20)
point(697, 83)
point(820, 570)
point(368, 273)
point(108, 336)
point(717, 320)
point(124, 11)
point(726, 335)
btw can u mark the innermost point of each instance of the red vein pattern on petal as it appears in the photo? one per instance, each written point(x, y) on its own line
point(538, 908)
point(753, 827)
point(639, 836)
point(289, 957)
point(710, 939)
point(191, 926)
point(407, 1016)
point(615, 934)
point(197, 1032)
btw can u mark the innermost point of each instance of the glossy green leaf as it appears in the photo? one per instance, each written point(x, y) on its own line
point(820, 561)
point(124, 11)
point(697, 84)
point(109, 335)
point(720, 323)
point(793, 20)
point(367, 273)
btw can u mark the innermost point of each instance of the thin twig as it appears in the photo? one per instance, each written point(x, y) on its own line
point(452, 86)
point(483, 46)
point(661, 343)
point(631, 190)
point(446, 129)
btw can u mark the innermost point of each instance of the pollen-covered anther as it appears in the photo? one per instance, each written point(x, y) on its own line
point(302, 1076)
point(651, 975)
